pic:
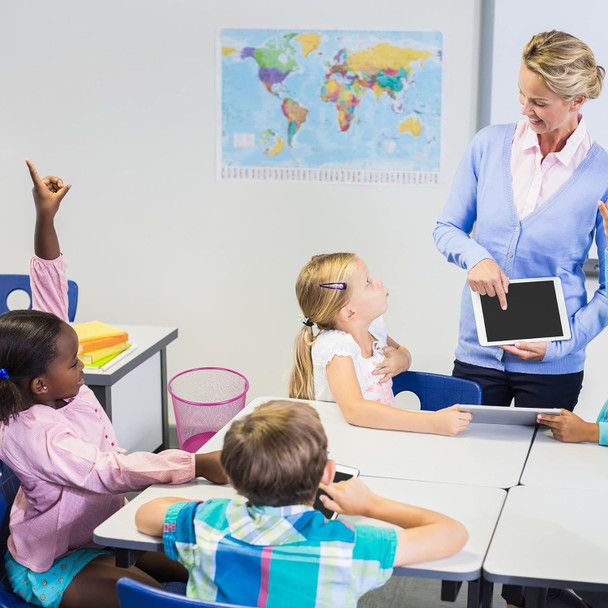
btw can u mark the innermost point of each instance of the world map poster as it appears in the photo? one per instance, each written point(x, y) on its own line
point(330, 106)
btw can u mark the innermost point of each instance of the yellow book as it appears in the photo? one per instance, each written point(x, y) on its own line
point(95, 335)
point(93, 357)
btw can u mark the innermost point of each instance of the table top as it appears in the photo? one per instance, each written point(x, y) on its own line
point(477, 507)
point(551, 537)
point(553, 463)
point(147, 339)
point(490, 455)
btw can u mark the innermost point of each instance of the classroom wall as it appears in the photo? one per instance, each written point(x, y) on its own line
point(120, 98)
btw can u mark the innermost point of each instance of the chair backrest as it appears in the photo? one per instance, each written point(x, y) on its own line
point(9, 484)
point(133, 594)
point(21, 282)
point(437, 391)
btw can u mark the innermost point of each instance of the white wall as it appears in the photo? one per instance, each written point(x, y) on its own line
point(119, 98)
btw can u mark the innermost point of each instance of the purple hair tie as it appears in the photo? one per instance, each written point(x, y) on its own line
point(338, 286)
point(4, 373)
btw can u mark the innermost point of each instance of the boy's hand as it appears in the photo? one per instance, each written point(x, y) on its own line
point(209, 466)
point(395, 362)
point(350, 497)
point(48, 192)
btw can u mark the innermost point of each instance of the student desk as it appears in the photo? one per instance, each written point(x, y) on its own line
point(488, 455)
point(133, 391)
point(477, 507)
point(552, 463)
point(550, 537)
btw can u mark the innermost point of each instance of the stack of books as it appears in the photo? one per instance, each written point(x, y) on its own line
point(100, 343)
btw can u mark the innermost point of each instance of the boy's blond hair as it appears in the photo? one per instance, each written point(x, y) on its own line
point(320, 306)
point(276, 455)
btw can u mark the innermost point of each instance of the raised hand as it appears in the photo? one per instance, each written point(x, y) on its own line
point(48, 192)
point(604, 211)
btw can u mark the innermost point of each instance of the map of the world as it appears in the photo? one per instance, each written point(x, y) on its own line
point(344, 106)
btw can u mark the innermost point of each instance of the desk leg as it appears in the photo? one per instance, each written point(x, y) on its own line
point(536, 597)
point(163, 392)
point(125, 558)
point(449, 590)
point(480, 593)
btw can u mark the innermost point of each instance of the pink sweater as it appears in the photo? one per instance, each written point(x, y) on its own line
point(72, 472)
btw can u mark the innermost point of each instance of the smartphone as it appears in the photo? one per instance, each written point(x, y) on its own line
point(342, 474)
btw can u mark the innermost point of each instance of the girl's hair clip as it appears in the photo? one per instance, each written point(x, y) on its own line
point(337, 286)
point(4, 373)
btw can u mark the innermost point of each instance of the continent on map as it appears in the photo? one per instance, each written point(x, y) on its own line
point(411, 125)
point(276, 60)
point(296, 117)
point(272, 144)
point(384, 68)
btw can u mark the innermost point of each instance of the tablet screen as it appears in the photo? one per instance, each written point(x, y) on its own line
point(532, 312)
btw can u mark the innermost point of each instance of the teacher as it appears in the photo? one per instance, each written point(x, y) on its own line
point(531, 191)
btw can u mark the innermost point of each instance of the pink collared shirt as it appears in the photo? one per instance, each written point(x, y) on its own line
point(72, 472)
point(534, 182)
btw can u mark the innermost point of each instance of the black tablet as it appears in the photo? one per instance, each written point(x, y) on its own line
point(536, 311)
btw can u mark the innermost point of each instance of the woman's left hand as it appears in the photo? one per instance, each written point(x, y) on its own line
point(395, 362)
point(527, 351)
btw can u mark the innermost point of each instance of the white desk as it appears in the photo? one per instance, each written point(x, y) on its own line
point(488, 455)
point(133, 392)
point(550, 537)
point(552, 463)
point(477, 507)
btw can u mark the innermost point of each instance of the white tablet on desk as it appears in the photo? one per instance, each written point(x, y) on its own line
point(497, 414)
point(536, 311)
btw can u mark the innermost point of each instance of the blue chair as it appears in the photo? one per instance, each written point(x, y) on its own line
point(437, 391)
point(21, 282)
point(9, 484)
point(132, 594)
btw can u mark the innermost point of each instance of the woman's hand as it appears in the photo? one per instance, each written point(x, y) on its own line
point(450, 421)
point(571, 428)
point(48, 192)
point(527, 351)
point(487, 278)
point(395, 362)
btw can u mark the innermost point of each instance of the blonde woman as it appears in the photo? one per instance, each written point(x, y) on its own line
point(531, 191)
point(349, 358)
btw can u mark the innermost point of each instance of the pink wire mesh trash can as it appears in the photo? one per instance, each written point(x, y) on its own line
point(204, 400)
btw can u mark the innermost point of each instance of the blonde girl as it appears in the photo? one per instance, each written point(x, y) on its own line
point(350, 359)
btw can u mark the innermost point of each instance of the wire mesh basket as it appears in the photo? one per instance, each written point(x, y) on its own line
point(204, 400)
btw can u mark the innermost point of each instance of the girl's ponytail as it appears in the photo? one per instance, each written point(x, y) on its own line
point(11, 399)
point(301, 385)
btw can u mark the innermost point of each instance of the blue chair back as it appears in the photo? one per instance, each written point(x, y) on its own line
point(133, 594)
point(9, 484)
point(437, 391)
point(21, 282)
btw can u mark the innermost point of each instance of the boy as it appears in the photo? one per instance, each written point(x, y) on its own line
point(274, 549)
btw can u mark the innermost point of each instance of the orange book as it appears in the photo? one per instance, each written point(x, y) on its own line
point(95, 335)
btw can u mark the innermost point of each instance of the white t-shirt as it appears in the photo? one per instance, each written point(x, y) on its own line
point(334, 342)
